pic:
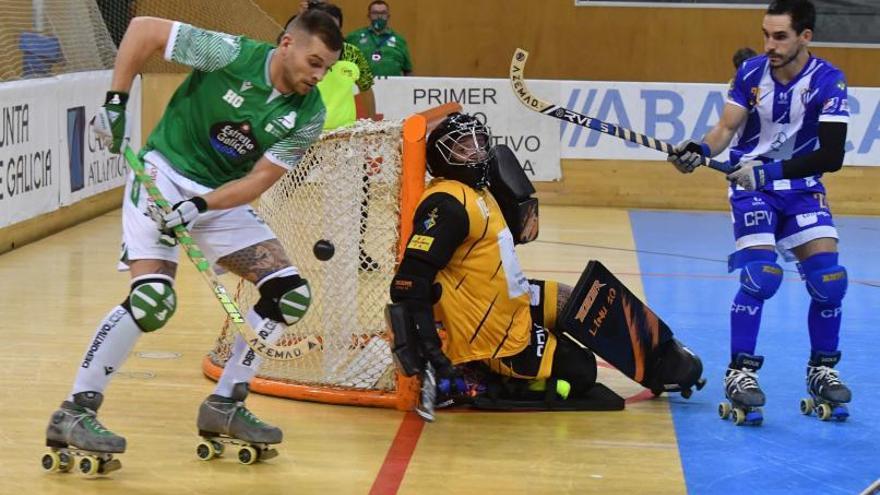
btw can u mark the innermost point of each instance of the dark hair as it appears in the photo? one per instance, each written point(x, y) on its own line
point(377, 2)
point(802, 13)
point(742, 55)
point(318, 23)
point(329, 8)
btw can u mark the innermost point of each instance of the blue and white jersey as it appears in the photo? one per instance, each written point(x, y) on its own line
point(783, 119)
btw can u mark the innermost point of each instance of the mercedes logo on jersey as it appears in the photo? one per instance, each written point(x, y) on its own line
point(233, 139)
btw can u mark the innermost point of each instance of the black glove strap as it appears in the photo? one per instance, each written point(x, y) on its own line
point(116, 98)
point(200, 203)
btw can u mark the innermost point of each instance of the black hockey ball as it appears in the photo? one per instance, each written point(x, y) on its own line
point(323, 250)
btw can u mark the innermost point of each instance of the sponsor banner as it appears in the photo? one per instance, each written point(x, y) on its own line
point(87, 166)
point(674, 112)
point(29, 151)
point(670, 112)
point(532, 137)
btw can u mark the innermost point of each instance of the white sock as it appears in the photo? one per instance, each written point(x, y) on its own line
point(108, 349)
point(244, 362)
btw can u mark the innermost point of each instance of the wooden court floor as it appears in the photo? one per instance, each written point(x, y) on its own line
point(56, 290)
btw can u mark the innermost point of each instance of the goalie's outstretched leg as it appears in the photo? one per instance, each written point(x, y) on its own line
point(606, 317)
point(226, 420)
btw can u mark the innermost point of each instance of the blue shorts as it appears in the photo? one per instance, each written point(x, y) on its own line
point(785, 219)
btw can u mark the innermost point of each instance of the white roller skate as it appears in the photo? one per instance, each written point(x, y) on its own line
point(226, 421)
point(76, 437)
point(744, 396)
point(828, 395)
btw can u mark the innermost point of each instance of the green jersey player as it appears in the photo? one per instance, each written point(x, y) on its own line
point(244, 116)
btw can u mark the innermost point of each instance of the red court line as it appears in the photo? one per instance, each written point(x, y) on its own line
point(399, 454)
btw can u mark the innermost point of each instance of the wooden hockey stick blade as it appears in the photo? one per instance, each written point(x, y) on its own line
point(254, 341)
point(517, 80)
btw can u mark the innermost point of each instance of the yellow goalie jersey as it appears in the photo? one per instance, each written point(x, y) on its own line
point(484, 304)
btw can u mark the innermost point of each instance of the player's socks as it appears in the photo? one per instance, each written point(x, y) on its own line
point(108, 349)
point(745, 320)
point(244, 362)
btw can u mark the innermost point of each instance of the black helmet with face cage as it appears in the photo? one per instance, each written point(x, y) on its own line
point(460, 148)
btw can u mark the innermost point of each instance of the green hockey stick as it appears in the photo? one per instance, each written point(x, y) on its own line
point(254, 341)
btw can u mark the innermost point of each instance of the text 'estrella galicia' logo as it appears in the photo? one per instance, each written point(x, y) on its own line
point(233, 139)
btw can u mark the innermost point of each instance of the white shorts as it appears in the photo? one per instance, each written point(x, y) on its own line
point(217, 232)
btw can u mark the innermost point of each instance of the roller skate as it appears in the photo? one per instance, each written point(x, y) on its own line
point(226, 421)
point(744, 396)
point(75, 437)
point(828, 395)
point(677, 369)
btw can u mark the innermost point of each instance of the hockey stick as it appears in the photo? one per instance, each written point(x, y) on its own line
point(427, 394)
point(517, 70)
point(254, 341)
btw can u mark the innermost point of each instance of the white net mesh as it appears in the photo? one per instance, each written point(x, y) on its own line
point(346, 190)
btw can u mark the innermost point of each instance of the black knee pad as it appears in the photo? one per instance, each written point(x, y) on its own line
point(284, 299)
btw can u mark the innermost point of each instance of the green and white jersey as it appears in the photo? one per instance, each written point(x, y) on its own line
point(226, 114)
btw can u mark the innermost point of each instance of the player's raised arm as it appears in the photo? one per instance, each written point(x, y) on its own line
point(144, 37)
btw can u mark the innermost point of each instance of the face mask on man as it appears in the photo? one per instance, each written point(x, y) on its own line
point(379, 23)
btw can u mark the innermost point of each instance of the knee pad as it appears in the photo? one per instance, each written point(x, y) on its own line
point(760, 275)
point(284, 298)
point(151, 301)
point(826, 280)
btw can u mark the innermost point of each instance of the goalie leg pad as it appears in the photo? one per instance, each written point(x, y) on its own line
point(604, 316)
point(151, 301)
point(826, 280)
point(284, 297)
point(405, 345)
point(514, 395)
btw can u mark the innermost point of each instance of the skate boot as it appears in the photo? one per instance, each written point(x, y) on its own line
point(74, 432)
point(676, 369)
point(827, 393)
point(225, 420)
point(744, 396)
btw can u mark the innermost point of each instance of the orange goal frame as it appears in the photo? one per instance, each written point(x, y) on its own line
point(405, 396)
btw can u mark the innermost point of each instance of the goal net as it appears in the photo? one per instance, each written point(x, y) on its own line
point(356, 188)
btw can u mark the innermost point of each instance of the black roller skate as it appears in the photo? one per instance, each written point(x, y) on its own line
point(76, 437)
point(225, 420)
point(827, 393)
point(744, 396)
point(677, 369)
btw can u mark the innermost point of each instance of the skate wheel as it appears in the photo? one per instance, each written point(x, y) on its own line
point(806, 406)
point(205, 451)
point(824, 412)
point(247, 455)
point(66, 463)
point(724, 410)
point(51, 462)
point(88, 465)
point(687, 392)
point(739, 417)
point(701, 383)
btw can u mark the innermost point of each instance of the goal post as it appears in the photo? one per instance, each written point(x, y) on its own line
point(357, 187)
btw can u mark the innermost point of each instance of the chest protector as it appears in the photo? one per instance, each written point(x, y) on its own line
point(484, 306)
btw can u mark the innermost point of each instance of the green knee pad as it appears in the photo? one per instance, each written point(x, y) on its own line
point(152, 303)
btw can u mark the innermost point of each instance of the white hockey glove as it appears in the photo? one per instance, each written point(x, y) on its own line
point(754, 175)
point(111, 123)
point(183, 213)
point(688, 155)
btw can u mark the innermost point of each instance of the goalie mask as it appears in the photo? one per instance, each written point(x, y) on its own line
point(460, 148)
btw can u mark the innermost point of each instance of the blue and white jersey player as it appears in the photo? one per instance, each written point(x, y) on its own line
point(785, 122)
